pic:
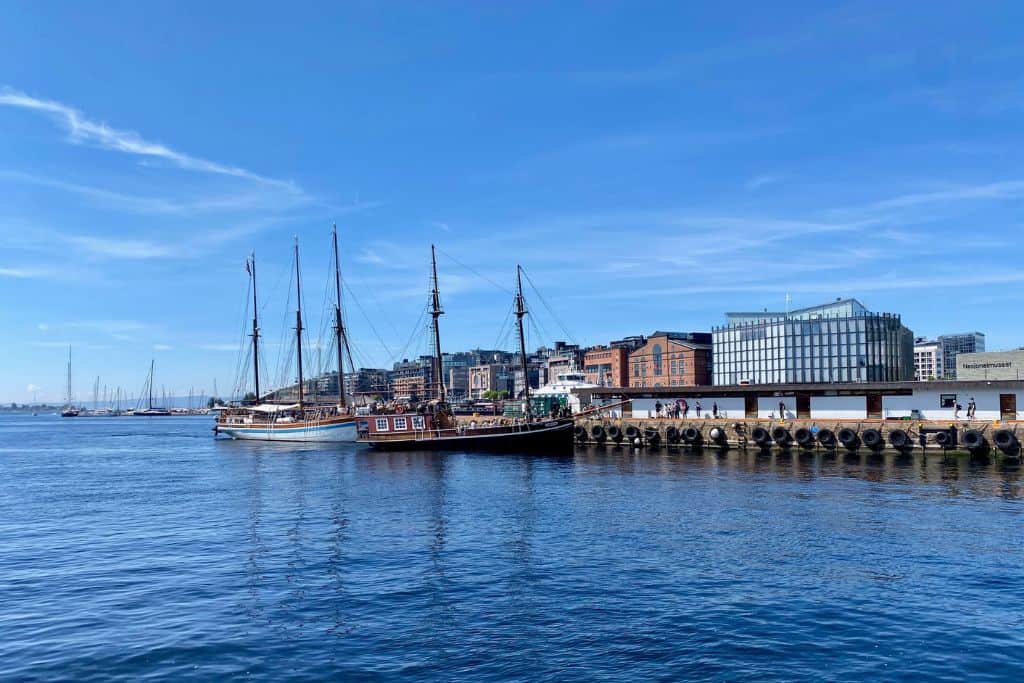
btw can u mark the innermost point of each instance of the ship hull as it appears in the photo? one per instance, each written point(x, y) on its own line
point(336, 432)
point(556, 439)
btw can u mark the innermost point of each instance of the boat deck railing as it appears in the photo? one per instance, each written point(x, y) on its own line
point(461, 430)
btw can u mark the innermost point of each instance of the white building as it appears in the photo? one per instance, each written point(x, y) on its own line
point(998, 365)
point(927, 359)
point(994, 399)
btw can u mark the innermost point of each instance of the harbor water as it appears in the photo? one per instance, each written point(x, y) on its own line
point(142, 548)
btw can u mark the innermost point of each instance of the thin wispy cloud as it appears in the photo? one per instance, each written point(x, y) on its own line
point(82, 130)
point(22, 273)
point(371, 257)
point(143, 204)
point(218, 347)
point(121, 248)
point(1007, 189)
point(757, 182)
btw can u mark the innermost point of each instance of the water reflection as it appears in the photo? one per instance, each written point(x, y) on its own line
point(957, 474)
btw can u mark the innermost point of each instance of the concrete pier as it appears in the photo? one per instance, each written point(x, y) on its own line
point(796, 435)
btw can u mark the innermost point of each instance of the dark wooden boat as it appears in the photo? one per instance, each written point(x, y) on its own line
point(551, 437)
point(435, 428)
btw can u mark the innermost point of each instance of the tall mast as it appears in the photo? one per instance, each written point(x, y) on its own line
point(255, 328)
point(69, 374)
point(298, 317)
point(436, 313)
point(151, 380)
point(520, 312)
point(339, 328)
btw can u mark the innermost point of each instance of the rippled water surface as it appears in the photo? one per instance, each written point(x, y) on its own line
point(143, 548)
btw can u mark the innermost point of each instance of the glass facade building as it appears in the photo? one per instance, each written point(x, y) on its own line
point(954, 344)
point(837, 342)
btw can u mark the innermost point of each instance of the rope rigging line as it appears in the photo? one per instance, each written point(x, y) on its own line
point(476, 272)
point(543, 301)
point(369, 322)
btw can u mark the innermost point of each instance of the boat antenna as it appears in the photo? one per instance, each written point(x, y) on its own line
point(339, 327)
point(520, 312)
point(251, 267)
point(436, 312)
point(298, 317)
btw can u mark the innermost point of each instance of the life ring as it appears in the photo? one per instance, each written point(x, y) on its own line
point(400, 409)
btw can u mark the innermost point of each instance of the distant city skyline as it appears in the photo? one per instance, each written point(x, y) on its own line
point(652, 169)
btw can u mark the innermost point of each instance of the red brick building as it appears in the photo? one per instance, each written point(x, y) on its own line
point(607, 367)
point(672, 359)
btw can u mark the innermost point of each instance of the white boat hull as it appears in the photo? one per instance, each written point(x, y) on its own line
point(326, 433)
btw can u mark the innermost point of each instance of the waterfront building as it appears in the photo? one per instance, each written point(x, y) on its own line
point(955, 344)
point(458, 382)
point(535, 371)
point(670, 359)
point(607, 366)
point(992, 365)
point(631, 343)
point(927, 359)
point(561, 358)
point(369, 383)
point(840, 341)
point(411, 379)
point(490, 377)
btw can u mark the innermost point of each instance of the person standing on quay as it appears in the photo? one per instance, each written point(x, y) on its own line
point(972, 409)
point(782, 410)
point(714, 410)
point(696, 405)
point(657, 409)
point(686, 409)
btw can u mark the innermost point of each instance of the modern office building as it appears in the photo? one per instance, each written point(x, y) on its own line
point(955, 344)
point(836, 342)
point(927, 359)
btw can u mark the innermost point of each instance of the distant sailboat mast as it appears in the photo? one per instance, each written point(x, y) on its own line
point(520, 312)
point(339, 328)
point(69, 376)
point(298, 318)
point(436, 312)
point(251, 267)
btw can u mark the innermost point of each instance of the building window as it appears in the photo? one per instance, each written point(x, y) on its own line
point(417, 422)
point(657, 356)
point(401, 424)
point(382, 424)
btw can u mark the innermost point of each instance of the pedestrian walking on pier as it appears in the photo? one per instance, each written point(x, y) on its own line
point(657, 409)
point(686, 409)
point(697, 406)
point(956, 411)
point(714, 410)
point(782, 410)
point(972, 409)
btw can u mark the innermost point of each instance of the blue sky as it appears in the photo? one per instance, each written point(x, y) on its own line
point(652, 166)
